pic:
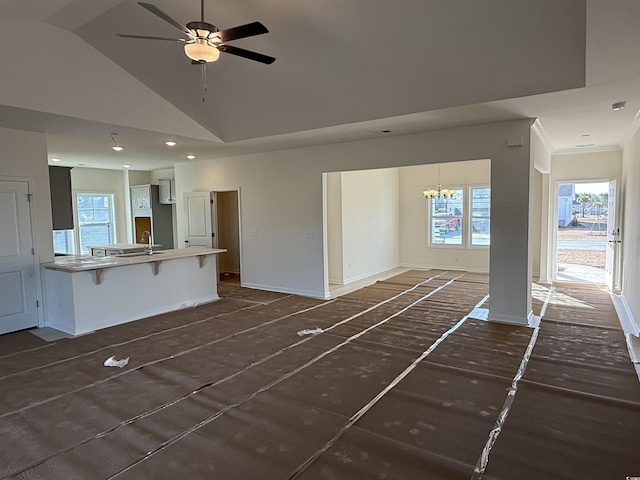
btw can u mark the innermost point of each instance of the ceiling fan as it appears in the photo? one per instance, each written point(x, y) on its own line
point(204, 42)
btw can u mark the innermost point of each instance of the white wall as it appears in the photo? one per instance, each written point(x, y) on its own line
point(369, 216)
point(586, 166)
point(282, 203)
point(630, 226)
point(414, 248)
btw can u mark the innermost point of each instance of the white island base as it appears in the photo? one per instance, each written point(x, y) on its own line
point(86, 294)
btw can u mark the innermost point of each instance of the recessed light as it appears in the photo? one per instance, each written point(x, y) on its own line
point(191, 157)
point(386, 131)
point(55, 159)
point(618, 106)
point(170, 143)
point(126, 165)
point(586, 135)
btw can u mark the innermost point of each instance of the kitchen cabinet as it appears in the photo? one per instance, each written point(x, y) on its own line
point(167, 191)
point(61, 198)
point(141, 198)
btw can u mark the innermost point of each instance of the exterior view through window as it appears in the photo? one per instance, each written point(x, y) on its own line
point(450, 224)
point(447, 219)
point(480, 215)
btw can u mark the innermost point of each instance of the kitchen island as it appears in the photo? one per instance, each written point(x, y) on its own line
point(84, 293)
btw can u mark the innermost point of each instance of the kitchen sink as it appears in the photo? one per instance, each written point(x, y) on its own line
point(139, 254)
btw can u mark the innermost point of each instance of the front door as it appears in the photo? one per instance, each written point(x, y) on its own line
point(613, 242)
point(18, 308)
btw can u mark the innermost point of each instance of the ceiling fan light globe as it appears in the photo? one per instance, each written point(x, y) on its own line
point(201, 51)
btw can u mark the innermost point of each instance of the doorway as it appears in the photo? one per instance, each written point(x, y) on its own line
point(18, 298)
point(584, 218)
point(226, 233)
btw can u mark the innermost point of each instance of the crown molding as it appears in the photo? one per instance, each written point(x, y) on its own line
point(542, 135)
point(573, 151)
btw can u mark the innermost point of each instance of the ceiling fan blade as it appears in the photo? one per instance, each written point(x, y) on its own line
point(156, 11)
point(242, 31)
point(241, 52)
point(146, 37)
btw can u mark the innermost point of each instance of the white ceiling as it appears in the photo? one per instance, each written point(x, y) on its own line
point(344, 71)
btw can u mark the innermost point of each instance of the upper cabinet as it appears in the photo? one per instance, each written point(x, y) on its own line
point(61, 198)
point(167, 190)
point(141, 197)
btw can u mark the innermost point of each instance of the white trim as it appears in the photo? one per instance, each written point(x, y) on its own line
point(542, 135)
point(633, 128)
point(573, 151)
point(423, 266)
point(362, 276)
point(627, 322)
point(529, 321)
point(292, 291)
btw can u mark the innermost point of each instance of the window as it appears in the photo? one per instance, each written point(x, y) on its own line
point(95, 214)
point(480, 216)
point(446, 219)
point(454, 222)
point(63, 241)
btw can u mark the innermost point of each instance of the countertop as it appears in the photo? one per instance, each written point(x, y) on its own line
point(83, 263)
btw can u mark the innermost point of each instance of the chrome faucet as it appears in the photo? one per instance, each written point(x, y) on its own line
point(148, 249)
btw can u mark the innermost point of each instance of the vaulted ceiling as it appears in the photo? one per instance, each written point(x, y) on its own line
point(343, 71)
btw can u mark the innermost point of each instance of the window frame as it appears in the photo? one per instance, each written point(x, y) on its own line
point(470, 243)
point(466, 219)
point(461, 223)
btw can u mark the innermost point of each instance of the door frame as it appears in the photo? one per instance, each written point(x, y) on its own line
point(35, 244)
point(214, 222)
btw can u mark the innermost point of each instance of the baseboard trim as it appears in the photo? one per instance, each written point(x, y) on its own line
point(290, 291)
point(441, 267)
point(627, 322)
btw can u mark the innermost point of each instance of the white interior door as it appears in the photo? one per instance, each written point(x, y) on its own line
point(198, 218)
point(613, 240)
point(18, 309)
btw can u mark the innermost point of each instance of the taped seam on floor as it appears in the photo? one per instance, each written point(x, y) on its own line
point(150, 335)
point(28, 350)
point(354, 418)
point(179, 354)
point(222, 380)
point(483, 460)
point(280, 379)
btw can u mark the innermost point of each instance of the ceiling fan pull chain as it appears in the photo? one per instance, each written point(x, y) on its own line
point(204, 79)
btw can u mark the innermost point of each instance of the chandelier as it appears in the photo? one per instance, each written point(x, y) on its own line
point(438, 192)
